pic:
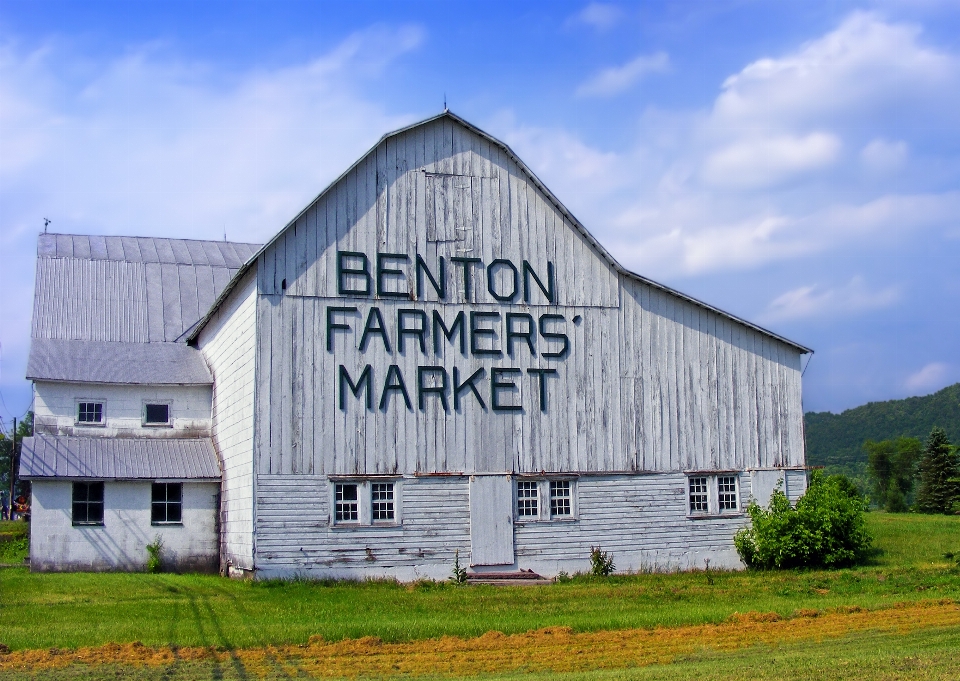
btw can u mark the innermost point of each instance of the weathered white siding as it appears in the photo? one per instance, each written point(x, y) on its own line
point(120, 543)
point(229, 345)
point(641, 519)
point(296, 533)
point(651, 382)
point(55, 407)
point(703, 392)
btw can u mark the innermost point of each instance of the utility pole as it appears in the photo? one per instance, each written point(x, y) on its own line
point(13, 467)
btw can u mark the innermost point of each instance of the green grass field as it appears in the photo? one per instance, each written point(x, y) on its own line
point(13, 542)
point(72, 610)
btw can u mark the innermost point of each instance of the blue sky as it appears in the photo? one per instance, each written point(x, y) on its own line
point(795, 163)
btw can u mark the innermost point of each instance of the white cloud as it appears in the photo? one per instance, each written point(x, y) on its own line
point(816, 301)
point(931, 377)
point(616, 79)
point(882, 156)
point(598, 15)
point(764, 161)
point(763, 175)
point(861, 65)
point(148, 144)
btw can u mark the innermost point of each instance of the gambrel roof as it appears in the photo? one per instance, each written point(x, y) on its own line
point(594, 244)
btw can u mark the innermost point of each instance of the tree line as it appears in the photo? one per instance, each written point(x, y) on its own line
point(909, 474)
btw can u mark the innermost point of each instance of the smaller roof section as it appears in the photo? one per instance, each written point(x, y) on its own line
point(229, 254)
point(106, 362)
point(47, 456)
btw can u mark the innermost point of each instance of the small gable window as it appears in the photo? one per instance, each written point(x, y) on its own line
point(156, 414)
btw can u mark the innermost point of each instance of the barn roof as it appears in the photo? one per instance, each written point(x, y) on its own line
point(112, 309)
point(600, 250)
point(110, 362)
point(47, 456)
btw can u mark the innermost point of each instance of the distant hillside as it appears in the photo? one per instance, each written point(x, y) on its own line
point(835, 440)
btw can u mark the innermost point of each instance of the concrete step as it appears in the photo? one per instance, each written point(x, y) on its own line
point(521, 578)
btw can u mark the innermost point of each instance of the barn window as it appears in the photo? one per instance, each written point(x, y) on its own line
point(560, 505)
point(88, 503)
point(381, 495)
point(166, 506)
point(155, 414)
point(698, 495)
point(727, 493)
point(90, 413)
point(346, 503)
point(528, 500)
point(711, 495)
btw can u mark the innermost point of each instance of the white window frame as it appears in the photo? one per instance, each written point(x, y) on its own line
point(90, 424)
point(528, 499)
point(365, 501)
point(156, 424)
point(392, 501)
point(713, 509)
point(545, 499)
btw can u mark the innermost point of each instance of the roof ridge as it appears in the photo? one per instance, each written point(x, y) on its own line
point(163, 238)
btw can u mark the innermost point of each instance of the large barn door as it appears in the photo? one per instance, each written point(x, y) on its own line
point(491, 520)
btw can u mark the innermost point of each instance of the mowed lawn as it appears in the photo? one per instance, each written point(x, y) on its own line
point(67, 611)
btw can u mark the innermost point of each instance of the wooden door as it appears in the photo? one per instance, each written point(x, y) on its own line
point(491, 520)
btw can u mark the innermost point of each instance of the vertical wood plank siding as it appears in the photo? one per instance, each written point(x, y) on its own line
point(652, 382)
point(229, 345)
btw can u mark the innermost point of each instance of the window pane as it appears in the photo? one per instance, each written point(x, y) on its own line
point(698, 494)
point(346, 508)
point(87, 506)
point(79, 512)
point(727, 493)
point(166, 502)
point(382, 499)
point(90, 412)
point(560, 498)
point(527, 499)
point(157, 413)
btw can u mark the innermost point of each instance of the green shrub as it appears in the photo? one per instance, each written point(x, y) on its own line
point(601, 562)
point(827, 528)
point(154, 555)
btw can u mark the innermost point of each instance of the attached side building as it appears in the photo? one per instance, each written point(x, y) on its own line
point(122, 452)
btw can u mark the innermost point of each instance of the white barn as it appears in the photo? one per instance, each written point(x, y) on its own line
point(433, 356)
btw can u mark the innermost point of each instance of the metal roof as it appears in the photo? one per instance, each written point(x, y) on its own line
point(195, 331)
point(146, 249)
point(46, 456)
point(106, 362)
point(119, 292)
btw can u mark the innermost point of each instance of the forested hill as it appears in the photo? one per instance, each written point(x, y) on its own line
point(836, 440)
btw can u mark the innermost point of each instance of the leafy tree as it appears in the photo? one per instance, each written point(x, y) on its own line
point(24, 429)
point(939, 473)
point(892, 467)
point(827, 528)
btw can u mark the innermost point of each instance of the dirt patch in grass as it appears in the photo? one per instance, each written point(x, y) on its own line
point(553, 649)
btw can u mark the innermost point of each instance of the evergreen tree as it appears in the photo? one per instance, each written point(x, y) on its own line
point(892, 466)
point(939, 475)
